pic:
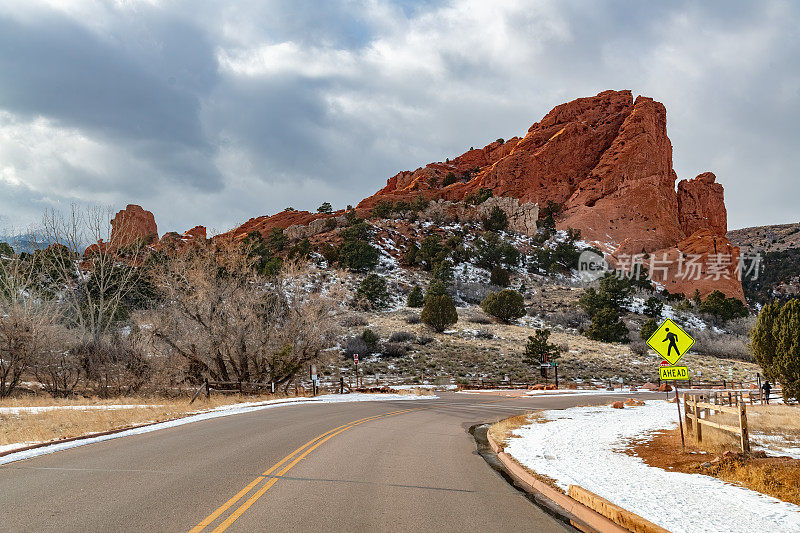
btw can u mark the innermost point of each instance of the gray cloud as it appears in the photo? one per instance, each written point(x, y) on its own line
point(212, 113)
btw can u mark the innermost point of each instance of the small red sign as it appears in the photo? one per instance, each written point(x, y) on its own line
point(355, 358)
point(663, 363)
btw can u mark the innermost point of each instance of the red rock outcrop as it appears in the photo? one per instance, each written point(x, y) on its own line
point(703, 261)
point(701, 205)
point(132, 224)
point(607, 159)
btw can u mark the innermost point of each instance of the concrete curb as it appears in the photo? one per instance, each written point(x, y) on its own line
point(559, 505)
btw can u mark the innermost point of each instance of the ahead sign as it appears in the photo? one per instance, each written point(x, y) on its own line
point(669, 373)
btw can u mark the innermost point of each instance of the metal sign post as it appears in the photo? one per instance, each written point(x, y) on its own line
point(355, 362)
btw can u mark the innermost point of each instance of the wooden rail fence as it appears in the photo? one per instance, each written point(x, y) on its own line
point(731, 403)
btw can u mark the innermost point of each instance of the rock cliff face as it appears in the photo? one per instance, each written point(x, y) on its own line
point(701, 205)
point(132, 224)
point(608, 161)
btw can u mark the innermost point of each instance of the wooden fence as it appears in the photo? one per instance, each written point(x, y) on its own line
point(732, 402)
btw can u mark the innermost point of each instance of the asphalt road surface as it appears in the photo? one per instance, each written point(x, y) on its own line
point(362, 466)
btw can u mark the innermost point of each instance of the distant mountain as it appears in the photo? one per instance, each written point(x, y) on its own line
point(26, 242)
point(779, 273)
point(766, 238)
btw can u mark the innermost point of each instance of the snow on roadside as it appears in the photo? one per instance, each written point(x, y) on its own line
point(585, 446)
point(225, 410)
point(43, 408)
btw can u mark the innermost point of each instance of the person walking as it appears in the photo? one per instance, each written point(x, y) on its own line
point(767, 388)
point(672, 338)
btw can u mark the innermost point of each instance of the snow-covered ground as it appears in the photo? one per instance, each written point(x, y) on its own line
point(225, 410)
point(584, 446)
point(558, 392)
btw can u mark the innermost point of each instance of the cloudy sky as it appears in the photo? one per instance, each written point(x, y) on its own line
point(212, 112)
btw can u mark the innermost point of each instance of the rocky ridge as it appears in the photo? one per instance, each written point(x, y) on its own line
point(605, 160)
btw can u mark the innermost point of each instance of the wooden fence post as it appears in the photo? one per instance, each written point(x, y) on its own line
point(743, 428)
point(699, 429)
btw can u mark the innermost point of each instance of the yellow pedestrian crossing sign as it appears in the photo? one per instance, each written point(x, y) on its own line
point(670, 341)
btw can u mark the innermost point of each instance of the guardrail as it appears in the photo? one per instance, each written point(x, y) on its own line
point(694, 408)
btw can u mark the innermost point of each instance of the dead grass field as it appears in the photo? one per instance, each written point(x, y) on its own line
point(479, 347)
point(31, 427)
point(775, 476)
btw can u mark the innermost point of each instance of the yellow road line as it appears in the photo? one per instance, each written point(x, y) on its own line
point(313, 443)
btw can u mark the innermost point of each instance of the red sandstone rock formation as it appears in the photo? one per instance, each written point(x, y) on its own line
point(608, 160)
point(132, 224)
point(701, 205)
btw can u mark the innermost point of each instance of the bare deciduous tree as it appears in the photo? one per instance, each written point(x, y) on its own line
point(226, 321)
point(94, 276)
point(26, 321)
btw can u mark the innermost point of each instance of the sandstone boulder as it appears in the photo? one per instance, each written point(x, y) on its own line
point(133, 224)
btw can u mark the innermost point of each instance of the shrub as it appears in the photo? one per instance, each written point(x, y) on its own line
point(613, 293)
point(500, 277)
point(491, 250)
point(350, 321)
point(647, 329)
point(382, 209)
point(547, 216)
point(325, 208)
point(472, 292)
point(538, 350)
point(356, 345)
point(718, 305)
point(401, 336)
point(653, 307)
point(422, 340)
point(496, 221)
point(331, 223)
point(410, 254)
point(413, 318)
point(439, 312)
point(329, 253)
point(373, 290)
point(357, 231)
point(431, 251)
point(415, 297)
point(369, 337)
point(277, 240)
point(484, 334)
point(607, 327)
point(478, 197)
point(301, 250)
point(358, 256)
point(505, 305)
point(449, 179)
point(394, 349)
point(723, 345)
point(776, 345)
point(418, 204)
point(443, 271)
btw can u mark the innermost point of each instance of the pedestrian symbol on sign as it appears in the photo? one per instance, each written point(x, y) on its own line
point(670, 341)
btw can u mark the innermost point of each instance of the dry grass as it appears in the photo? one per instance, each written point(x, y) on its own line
point(64, 423)
point(467, 353)
point(775, 476)
point(501, 430)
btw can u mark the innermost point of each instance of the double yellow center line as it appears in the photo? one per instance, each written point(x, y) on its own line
point(290, 461)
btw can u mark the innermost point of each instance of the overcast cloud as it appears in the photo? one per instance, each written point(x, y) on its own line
point(214, 112)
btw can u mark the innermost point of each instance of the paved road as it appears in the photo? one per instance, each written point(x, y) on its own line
point(361, 469)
